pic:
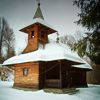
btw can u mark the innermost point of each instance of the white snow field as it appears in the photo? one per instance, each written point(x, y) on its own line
point(9, 93)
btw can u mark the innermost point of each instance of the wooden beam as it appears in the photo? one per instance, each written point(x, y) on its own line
point(60, 73)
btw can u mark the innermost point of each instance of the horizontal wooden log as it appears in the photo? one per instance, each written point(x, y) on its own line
point(30, 80)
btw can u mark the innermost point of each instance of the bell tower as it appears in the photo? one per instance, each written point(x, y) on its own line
point(37, 32)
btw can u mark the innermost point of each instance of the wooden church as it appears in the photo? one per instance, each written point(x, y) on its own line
point(44, 63)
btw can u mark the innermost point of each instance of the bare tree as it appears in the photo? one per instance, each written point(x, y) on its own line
point(9, 43)
point(2, 32)
point(7, 39)
point(68, 40)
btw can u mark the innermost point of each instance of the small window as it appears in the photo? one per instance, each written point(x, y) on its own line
point(32, 34)
point(25, 71)
point(42, 35)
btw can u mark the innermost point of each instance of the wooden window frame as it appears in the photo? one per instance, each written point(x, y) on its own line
point(25, 71)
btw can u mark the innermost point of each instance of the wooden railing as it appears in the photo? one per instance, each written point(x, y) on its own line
point(55, 83)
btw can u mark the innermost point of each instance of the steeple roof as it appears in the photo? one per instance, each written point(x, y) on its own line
point(38, 13)
point(39, 19)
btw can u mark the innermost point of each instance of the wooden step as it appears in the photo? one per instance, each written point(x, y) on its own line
point(70, 91)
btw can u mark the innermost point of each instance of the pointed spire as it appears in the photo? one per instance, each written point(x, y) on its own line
point(38, 13)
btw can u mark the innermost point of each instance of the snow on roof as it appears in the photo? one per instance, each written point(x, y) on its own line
point(52, 51)
point(85, 66)
point(41, 21)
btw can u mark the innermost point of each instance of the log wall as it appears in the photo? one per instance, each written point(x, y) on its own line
point(29, 81)
point(32, 40)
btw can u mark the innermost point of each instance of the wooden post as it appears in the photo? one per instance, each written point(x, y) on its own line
point(44, 74)
point(60, 74)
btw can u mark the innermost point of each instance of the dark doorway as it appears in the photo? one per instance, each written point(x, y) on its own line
point(52, 74)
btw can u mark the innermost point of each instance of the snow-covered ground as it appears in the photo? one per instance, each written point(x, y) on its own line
point(9, 93)
point(90, 93)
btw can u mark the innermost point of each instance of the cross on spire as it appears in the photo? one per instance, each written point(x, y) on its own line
point(38, 1)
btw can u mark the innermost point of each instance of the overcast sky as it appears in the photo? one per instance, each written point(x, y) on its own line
point(61, 14)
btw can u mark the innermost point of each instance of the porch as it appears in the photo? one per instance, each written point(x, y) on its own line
point(60, 74)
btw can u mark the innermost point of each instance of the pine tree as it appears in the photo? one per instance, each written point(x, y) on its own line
point(89, 18)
